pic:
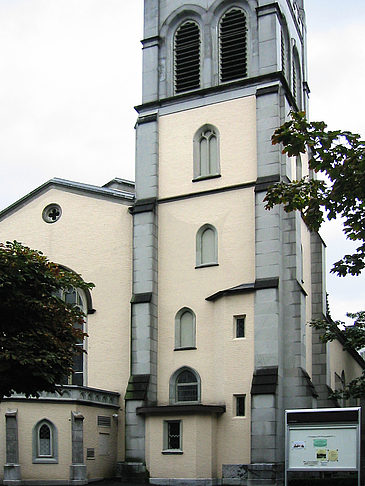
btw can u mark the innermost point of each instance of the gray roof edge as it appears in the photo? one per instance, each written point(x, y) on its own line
point(91, 188)
point(120, 180)
point(63, 183)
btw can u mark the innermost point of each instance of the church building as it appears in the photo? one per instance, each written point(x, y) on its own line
point(198, 325)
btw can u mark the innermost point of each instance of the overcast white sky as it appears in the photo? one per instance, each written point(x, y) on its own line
point(70, 74)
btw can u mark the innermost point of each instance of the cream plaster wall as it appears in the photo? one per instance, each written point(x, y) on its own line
point(30, 413)
point(93, 238)
point(219, 357)
point(103, 466)
point(232, 214)
point(197, 459)
point(342, 360)
point(236, 122)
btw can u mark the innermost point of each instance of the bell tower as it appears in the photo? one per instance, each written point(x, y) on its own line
point(222, 289)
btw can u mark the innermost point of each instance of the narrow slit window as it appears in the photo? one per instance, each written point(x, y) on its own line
point(240, 326)
point(187, 57)
point(240, 405)
point(233, 45)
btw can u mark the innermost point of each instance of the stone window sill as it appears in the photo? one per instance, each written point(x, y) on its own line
point(45, 460)
point(206, 177)
point(204, 265)
point(185, 349)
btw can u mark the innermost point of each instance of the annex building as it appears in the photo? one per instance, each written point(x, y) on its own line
point(198, 336)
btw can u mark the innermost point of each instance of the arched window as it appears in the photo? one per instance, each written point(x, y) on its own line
point(185, 329)
point(233, 45)
point(185, 386)
point(76, 297)
point(187, 57)
point(45, 448)
point(206, 152)
point(206, 246)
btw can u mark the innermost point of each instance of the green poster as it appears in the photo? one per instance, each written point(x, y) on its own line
point(320, 442)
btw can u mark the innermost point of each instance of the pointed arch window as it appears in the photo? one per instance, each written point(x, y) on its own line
point(45, 447)
point(233, 45)
point(185, 386)
point(44, 441)
point(187, 57)
point(76, 297)
point(206, 152)
point(185, 334)
point(206, 246)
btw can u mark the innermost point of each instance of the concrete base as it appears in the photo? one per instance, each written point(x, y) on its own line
point(78, 474)
point(184, 482)
point(253, 474)
point(12, 474)
point(234, 474)
point(45, 482)
point(265, 475)
point(132, 472)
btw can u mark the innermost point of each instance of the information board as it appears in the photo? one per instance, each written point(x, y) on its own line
point(323, 447)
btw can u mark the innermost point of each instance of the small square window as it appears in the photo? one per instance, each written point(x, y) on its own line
point(240, 405)
point(172, 440)
point(239, 324)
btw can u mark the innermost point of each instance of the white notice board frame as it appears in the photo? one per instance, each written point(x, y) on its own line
point(321, 441)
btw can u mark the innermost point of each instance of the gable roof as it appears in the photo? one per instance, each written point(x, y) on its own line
point(77, 187)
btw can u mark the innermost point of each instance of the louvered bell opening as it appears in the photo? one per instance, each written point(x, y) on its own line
point(233, 46)
point(187, 57)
